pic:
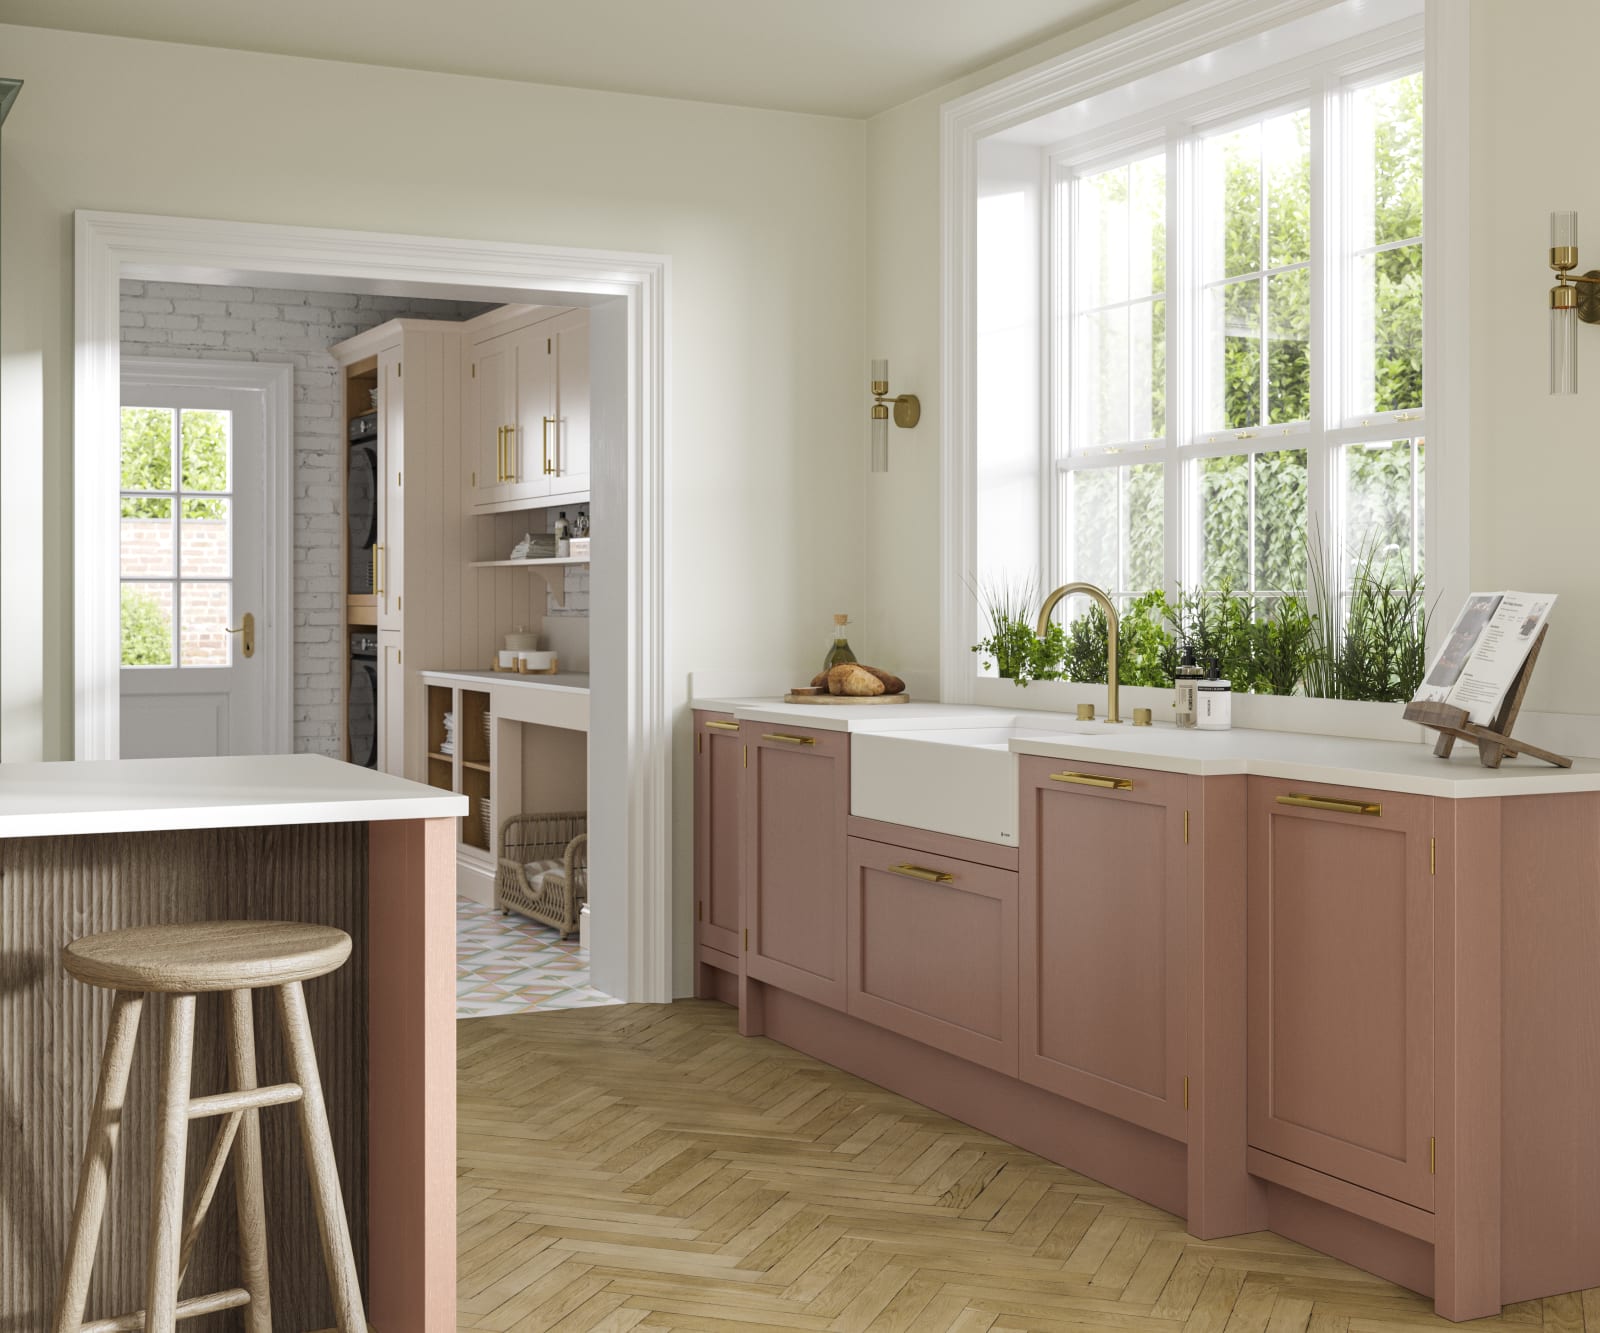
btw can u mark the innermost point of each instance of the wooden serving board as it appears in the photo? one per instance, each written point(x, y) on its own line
point(847, 698)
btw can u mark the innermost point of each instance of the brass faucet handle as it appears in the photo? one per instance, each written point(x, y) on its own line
point(1086, 712)
point(1142, 717)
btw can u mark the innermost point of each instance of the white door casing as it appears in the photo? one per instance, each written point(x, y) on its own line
point(244, 707)
point(630, 739)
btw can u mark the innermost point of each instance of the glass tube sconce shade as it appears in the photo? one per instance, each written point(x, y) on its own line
point(905, 408)
point(1564, 303)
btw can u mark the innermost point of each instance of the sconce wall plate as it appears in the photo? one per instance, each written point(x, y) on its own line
point(1589, 297)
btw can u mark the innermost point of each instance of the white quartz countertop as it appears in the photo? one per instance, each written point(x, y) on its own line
point(564, 680)
point(1296, 756)
point(147, 795)
point(857, 717)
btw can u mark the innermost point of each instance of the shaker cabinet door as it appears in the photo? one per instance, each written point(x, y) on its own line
point(490, 415)
point(718, 827)
point(1340, 983)
point(796, 808)
point(570, 434)
point(1103, 928)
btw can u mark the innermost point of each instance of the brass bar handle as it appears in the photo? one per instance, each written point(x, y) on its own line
point(789, 740)
point(1328, 803)
point(377, 585)
point(922, 873)
point(723, 726)
point(512, 469)
point(1094, 780)
point(500, 455)
point(548, 470)
point(372, 558)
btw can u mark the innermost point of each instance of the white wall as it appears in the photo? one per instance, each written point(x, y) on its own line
point(1535, 468)
point(762, 214)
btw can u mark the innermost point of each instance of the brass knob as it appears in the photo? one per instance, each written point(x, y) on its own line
point(1142, 717)
point(1086, 712)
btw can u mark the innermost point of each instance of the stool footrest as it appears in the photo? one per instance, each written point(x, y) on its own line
point(189, 1309)
point(222, 1103)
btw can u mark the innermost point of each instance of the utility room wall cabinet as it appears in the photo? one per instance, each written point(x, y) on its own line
point(526, 409)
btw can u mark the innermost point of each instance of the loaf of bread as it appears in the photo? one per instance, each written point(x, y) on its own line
point(853, 680)
point(891, 684)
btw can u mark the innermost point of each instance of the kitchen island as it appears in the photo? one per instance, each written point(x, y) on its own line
point(87, 847)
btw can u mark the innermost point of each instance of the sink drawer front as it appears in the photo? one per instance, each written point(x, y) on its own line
point(1103, 889)
point(934, 958)
point(796, 805)
point(1340, 983)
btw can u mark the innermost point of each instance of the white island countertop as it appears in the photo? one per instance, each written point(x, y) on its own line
point(1295, 756)
point(149, 795)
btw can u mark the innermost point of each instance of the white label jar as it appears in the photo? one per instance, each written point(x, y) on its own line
point(1214, 705)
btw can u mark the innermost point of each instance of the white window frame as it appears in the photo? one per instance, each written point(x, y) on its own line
point(1135, 52)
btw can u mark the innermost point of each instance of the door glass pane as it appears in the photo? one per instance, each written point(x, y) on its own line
point(146, 624)
point(146, 538)
point(204, 639)
point(1233, 356)
point(146, 449)
point(1289, 345)
point(207, 552)
point(1280, 521)
point(205, 449)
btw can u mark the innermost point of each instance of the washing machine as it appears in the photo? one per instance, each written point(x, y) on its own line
point(364, 698)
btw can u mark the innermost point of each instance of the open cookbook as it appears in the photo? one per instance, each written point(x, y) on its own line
point(1486, 648)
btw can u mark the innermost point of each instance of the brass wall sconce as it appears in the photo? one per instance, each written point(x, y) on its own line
point(907, 412)
point(1574, 297)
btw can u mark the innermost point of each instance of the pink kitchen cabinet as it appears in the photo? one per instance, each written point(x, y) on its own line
point(718, 818)
point(932, 945)
point(1104, 885)
point(796, 805)
point(1341, 984)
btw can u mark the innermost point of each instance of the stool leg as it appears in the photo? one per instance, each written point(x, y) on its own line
point(166, 1216)
point(84, 1239)
point(247, 1183)
point(337, 1253)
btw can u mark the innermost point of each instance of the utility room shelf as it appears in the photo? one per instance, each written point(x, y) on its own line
point(516, 564)
point(476, 767)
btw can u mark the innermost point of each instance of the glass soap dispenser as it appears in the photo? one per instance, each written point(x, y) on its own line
point(839, 652)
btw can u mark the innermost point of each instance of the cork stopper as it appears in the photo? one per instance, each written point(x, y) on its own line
point(841, 619)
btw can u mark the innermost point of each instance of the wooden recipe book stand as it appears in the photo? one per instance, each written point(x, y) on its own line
point(1495, 742)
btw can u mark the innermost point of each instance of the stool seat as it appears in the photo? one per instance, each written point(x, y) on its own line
point(206, 956)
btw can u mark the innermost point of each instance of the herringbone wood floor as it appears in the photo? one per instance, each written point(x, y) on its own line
point(644, 1167)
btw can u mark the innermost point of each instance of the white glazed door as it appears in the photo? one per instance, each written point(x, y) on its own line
point(192, 572)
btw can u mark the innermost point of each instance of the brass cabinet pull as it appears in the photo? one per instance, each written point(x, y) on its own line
point(511, 454)
point(500, 454)
point(922, 872)
point(1328, 803)
point(379, 555)
point(1094, 780)
point(724, 726)
point(789, 740)
point(372, 556)
point(548, 470)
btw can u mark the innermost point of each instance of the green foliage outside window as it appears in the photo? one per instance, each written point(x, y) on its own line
point(146, 630)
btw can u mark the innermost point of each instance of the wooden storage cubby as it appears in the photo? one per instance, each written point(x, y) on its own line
point(475, 784)
point(441, 766)
point(472, 734)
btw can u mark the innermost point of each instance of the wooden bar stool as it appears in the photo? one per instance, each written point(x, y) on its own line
point(234, 957)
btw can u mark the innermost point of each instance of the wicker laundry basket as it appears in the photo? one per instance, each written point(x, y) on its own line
point(555, 895)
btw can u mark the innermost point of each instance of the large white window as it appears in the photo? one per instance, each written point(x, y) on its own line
point(1236, 337)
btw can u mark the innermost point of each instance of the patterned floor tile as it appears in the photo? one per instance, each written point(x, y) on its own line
point(510, 965)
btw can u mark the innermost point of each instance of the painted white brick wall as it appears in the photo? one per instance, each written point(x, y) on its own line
point(179, 319)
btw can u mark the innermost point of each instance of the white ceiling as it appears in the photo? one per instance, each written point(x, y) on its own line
point(836, 57)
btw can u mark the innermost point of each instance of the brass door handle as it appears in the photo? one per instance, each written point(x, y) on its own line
point(789, 740)
point(1094, 780)
point(500, 454)
point(246, 627)
point(377, 585)
point(923, 873)
point(1328, 803)
point(548, 470)
point(724, 726)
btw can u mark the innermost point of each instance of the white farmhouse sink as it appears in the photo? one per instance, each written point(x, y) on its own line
point(961, 781)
